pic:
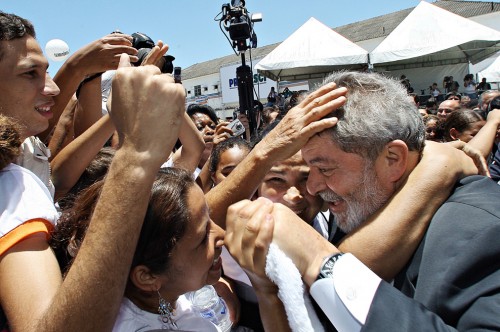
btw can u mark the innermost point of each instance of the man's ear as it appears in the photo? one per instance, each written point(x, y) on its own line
point(143, 279)
point(396, 159)
point(454, 134)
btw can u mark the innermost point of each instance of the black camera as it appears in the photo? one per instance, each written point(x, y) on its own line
point(141, 40)
point(143, 43)
point(239, 24)
point(166, 68)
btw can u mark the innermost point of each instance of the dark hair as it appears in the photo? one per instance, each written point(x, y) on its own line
point(468, 77)
point(13, 27)
point(430, 103)
point(453, 93)
point(165, 222)
point(439, 131)
point(223, 146)
point(10, 140)
point(461, 120)
point(205, 109)
point(94, 172)
point(166, 219)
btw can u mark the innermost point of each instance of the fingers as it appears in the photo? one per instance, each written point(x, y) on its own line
point(478, 159)
point(155, 54)
point(251, 232)
point(124, 61)
point(323, 104)
point(263, 241)
point(118, 39)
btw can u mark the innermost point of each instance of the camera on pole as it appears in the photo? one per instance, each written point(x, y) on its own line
point(237, 21)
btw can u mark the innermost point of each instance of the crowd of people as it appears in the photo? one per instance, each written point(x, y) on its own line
point(117, 201)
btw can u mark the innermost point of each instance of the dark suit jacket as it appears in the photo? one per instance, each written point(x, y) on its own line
point(453, 279)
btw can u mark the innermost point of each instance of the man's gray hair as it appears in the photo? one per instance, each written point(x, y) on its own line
point(378, 110)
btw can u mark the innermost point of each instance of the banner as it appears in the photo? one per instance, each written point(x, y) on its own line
point(229, 83)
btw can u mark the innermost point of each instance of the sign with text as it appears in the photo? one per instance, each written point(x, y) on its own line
point(229, 83)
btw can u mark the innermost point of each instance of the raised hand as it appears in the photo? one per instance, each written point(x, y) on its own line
point(147, 109)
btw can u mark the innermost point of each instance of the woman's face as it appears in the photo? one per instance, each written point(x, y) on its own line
point(206, 127)
point(228, 160)
point(196, 258)
point(470, 132)
point(430, 130)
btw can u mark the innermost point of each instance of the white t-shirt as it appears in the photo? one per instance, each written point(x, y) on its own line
point(35, 157)
point(131, 318)
point(106, 82)
point(24, 200)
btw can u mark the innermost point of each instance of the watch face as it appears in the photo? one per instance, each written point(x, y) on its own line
point(327, 268)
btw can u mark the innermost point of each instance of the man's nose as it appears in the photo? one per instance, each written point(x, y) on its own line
point(315, 183)
point(293, 195)
point(50, 88)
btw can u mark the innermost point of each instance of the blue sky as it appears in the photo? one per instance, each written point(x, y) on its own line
point(187, 26)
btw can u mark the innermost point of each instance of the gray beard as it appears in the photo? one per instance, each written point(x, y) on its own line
point(361, 204)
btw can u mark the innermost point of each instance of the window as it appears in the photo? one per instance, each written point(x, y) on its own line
point(197, 90)
point(205, 88)
point(216, 87)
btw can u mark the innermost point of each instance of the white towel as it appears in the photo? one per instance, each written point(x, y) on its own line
point(299, 310)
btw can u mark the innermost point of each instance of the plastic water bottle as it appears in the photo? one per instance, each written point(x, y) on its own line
point(210, 306)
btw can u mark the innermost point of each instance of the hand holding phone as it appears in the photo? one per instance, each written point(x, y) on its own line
point(237, 127)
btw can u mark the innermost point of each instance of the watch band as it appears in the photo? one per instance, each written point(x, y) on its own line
point(326, 270)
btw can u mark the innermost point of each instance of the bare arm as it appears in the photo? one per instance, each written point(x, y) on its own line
point(97, 278)
point(249, 245)
point(485, 138)
point(388, 238)
point(96, 57)
point(115, 225)
point(70, 163)
point(301, 123)
point(189, 155)
point(89, 109)
point(63, 132)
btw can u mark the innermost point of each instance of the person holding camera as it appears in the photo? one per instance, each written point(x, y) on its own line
point(470, 86)
point(435, 92)
point(271, 97)
point(450, 85)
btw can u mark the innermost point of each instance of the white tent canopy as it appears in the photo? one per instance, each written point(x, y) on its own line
point(311, 52)
point(431, 36)
point(492, 73)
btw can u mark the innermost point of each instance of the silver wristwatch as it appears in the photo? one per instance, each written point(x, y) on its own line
point(326, 270)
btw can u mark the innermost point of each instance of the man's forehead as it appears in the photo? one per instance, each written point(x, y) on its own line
point(26, 52)
point(296, 161)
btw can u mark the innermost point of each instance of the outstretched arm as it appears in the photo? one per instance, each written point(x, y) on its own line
point(96, 57)
point(97, 278)
point(250, 245)
point(485, 138)
point(189, 155)
point(388, 238)
point(300, 123)
point(70, 163)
